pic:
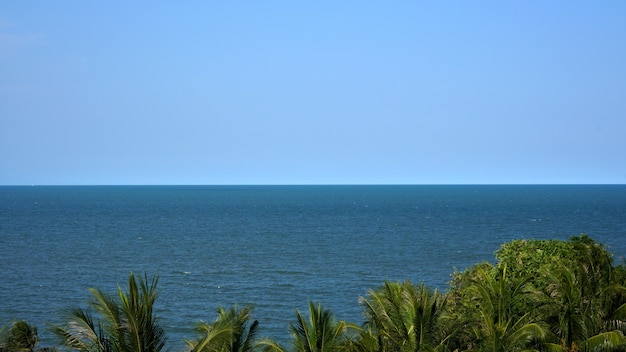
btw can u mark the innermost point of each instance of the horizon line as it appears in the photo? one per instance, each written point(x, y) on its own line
point(306, 184)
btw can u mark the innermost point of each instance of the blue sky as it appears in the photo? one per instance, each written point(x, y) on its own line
point(339, 92)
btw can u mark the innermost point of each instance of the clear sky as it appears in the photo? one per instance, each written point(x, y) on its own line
point(317, 92)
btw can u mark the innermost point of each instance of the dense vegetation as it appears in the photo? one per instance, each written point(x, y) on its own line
point(541, 295)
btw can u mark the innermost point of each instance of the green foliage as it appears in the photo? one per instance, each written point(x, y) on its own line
point(582, 309)
point(231, 332)
point(533, 258)
point(496, 319)
point(20, 337)
point(406, 318)
point(126, 322)
point(563, 295)
point(319, 332)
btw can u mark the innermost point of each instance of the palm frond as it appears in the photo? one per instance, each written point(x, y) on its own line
point(320, 332)
point(126, 321)
point(528, 333)
point(554, 347)
point(229, 332)
point(269, 345)
point(620, 312)
point(214, 337)
point(80, 333)
point(607, 341)
point(20, 337)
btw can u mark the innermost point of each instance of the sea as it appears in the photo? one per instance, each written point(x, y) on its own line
point(276, 247)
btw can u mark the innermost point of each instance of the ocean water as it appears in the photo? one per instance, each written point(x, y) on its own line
point(274, 246)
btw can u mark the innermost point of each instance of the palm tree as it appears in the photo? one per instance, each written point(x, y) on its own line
point(366, 340)
point(126, 321)
point(403, 317)
point(319, 333)
point(20, 337)
point(497, 323)
point(615, 303)
point(229, 333)
point(580, 319)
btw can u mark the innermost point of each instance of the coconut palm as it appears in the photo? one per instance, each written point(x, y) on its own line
point(497, 323)
point(229, 333)
point(404, 317)
point(580, 319)
point(616, 298)
point(365, 340)
point(122, 323)
point(319, 333)
point(408, 318)
point(20, 337)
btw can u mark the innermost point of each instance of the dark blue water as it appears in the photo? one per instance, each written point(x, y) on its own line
point(275, 246)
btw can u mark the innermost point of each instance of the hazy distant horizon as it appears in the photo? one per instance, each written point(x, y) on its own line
point(314, 184)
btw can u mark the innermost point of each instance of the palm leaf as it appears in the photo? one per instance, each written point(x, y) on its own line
point(269, 345)
point(230, 331)
point(620, 312)
point(214, 336)
point(81, 333)
point(320, 332)
point(20, 337)
point(608, 341)
point(126, 321)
